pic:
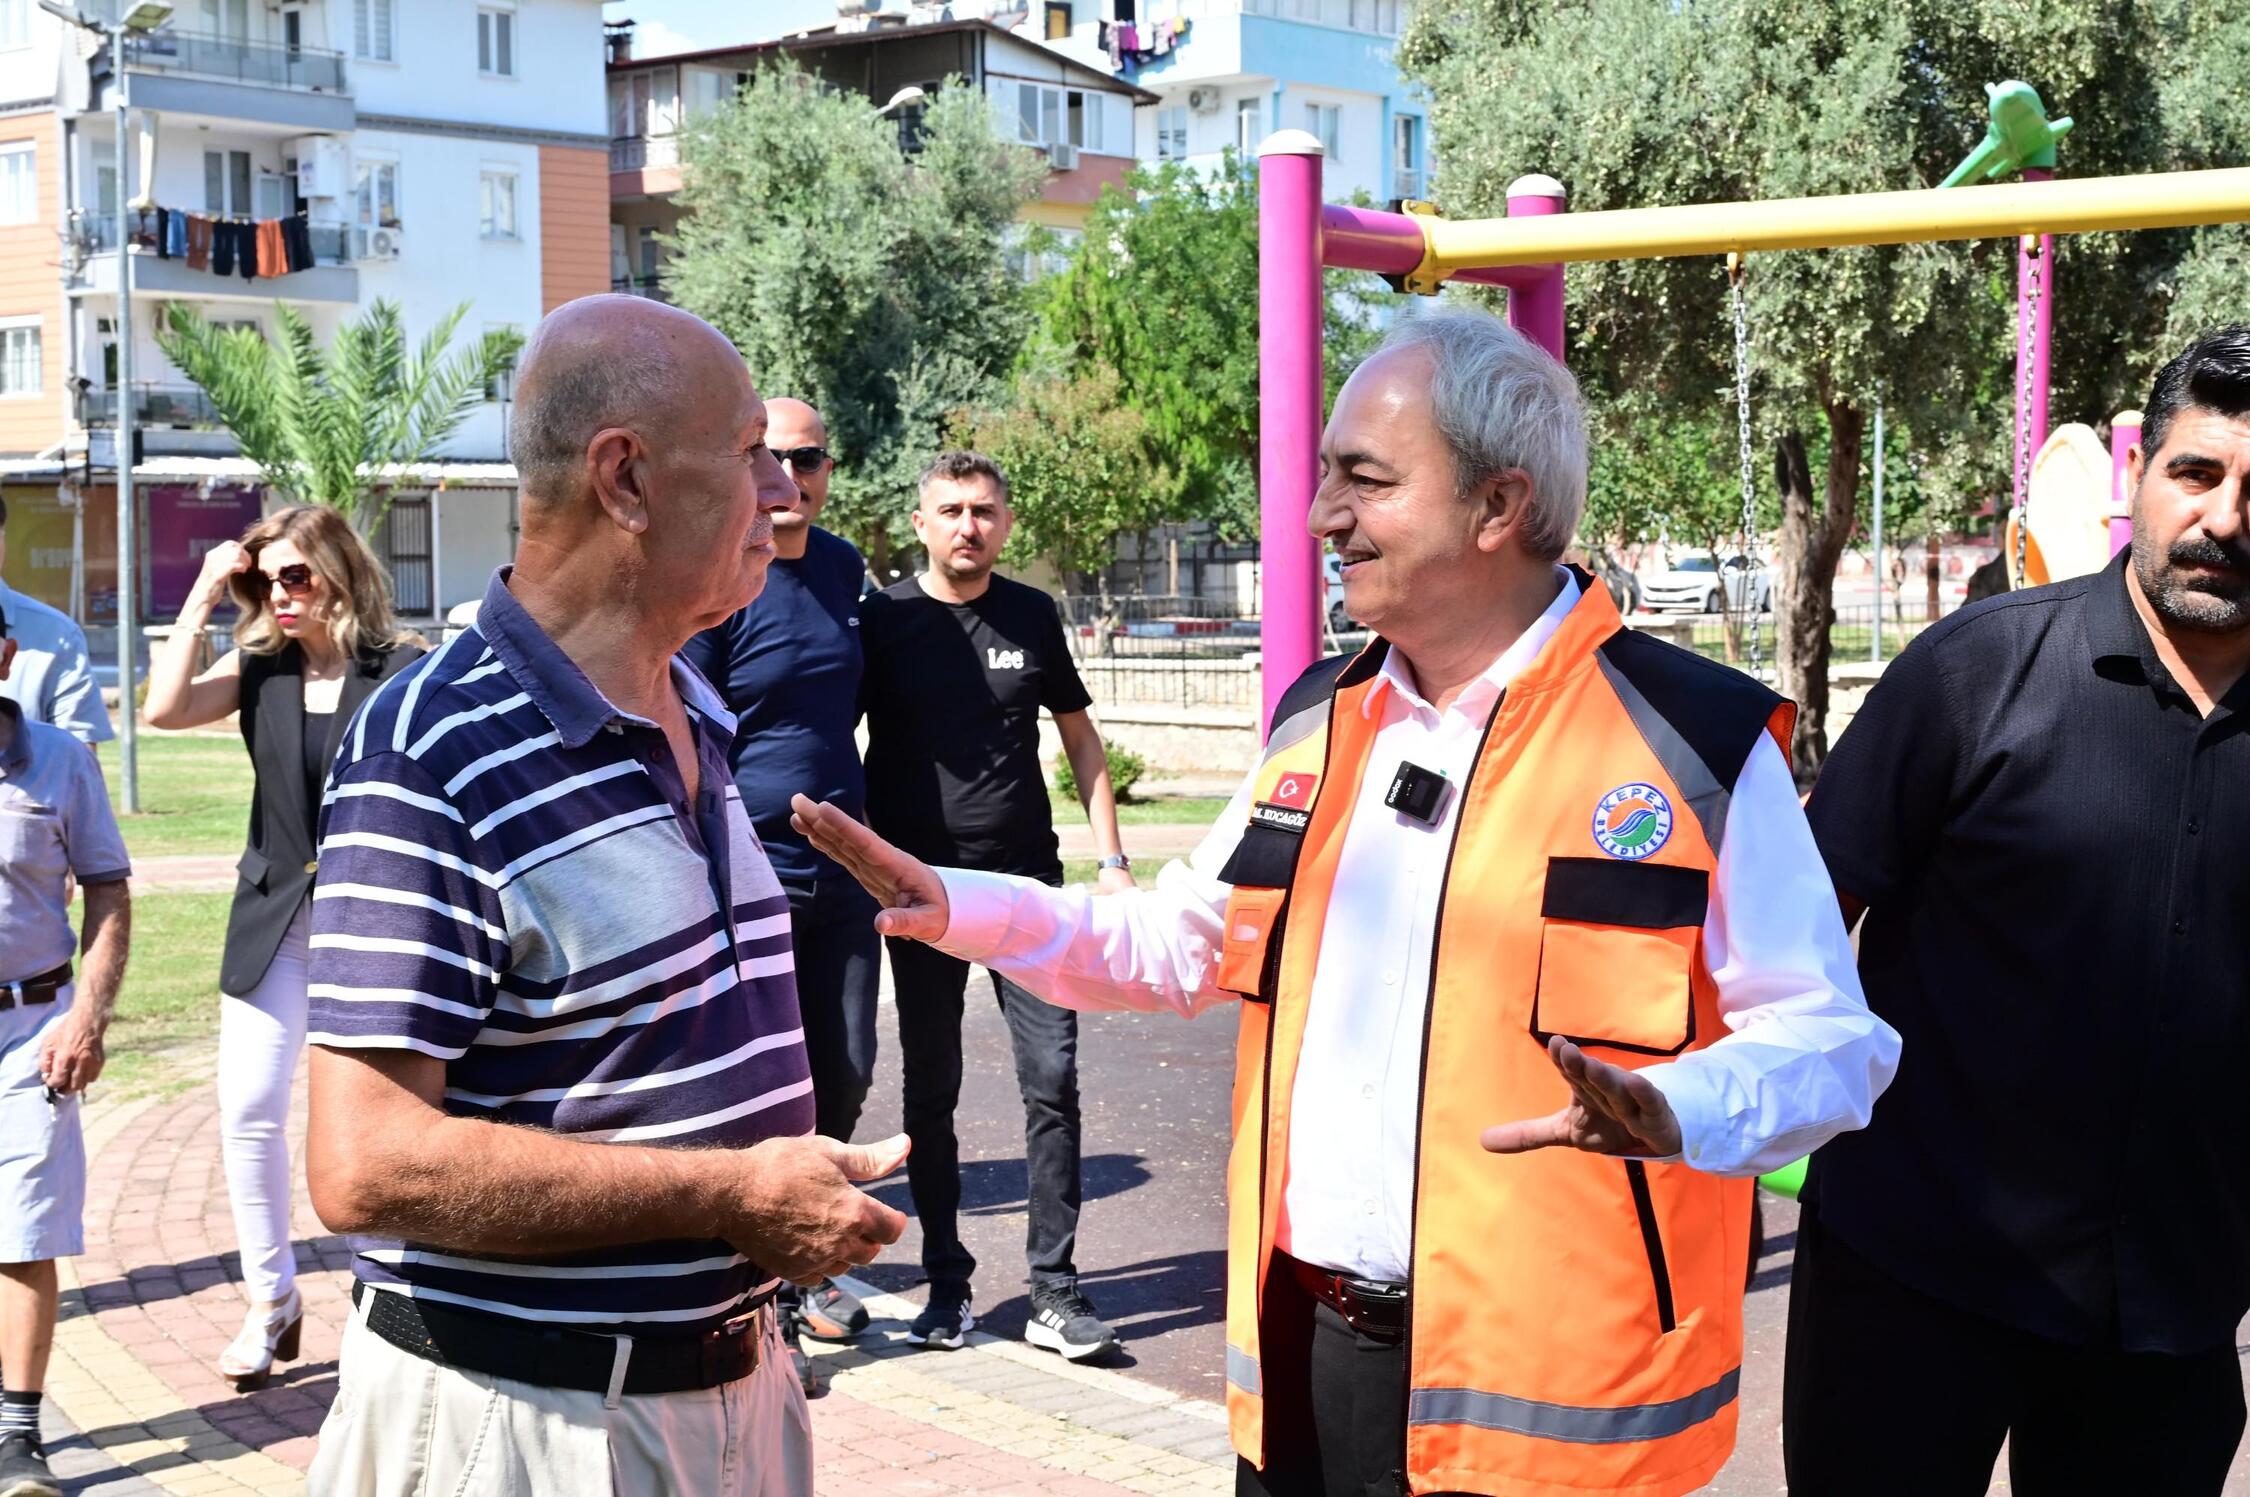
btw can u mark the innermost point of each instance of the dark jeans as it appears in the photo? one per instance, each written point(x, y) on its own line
point(839, 969)
point(931, 986)
point(1888, 1391)
point(1335, 1403)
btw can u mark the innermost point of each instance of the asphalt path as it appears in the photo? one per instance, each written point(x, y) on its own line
point(1152, 1236)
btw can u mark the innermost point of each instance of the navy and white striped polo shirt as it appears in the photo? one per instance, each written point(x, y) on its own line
point(511, 881)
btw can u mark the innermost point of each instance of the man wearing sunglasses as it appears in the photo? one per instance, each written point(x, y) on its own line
point(789, 666)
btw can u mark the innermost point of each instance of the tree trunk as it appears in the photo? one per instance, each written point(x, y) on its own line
point(1812, 541)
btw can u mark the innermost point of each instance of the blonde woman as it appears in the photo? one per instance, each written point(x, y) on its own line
point(314, 637)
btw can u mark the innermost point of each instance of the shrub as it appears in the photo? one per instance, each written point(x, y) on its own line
point(1125, 770)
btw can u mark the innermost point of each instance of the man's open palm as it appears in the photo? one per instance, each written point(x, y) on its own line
point(909, 890)
point(1612, 1111)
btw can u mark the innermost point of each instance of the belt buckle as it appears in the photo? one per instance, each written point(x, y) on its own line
point(742, 1322)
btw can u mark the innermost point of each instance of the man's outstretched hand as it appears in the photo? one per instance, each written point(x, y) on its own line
point(909, 890)
point(1612, 1111)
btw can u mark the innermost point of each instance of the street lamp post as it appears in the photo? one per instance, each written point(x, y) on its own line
point(135, 18)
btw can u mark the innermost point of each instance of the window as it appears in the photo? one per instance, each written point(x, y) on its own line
point(15, 24)
point(227, 18)
point(403, 541)
point(226, 183)
point(496, 43)
point(492, 385)
point(1325, 121)
point(1171, 133)
point(1058, 21)
point(371, 29)
point(1406, 155)
point(378, 193)
point(496, 205)
point(1249, 125)
point(645, 103)
point(652, 255)
point(1046, 116)
point(19, 183)
point(19, 358)
point(105, 190)
point(707, 90)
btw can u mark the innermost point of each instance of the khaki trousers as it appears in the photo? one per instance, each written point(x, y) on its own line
point(403, 1427)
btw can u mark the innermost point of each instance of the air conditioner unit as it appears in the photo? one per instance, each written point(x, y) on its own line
point(1062, 156)
point(1204, 100)
point(381, 243)
point(324, 166)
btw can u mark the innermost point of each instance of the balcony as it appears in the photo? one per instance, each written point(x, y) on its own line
point(93, 244)
point(1406, 182)
point(153, 405)
point(637, 153)
point(653, 287)
point(222, 77)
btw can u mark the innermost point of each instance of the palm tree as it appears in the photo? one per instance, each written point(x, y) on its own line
point(336, 426)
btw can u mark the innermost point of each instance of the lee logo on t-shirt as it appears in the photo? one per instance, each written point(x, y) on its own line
point(1002, 660)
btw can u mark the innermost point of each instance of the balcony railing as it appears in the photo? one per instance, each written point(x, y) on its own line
point(632, 153)
point(153, 405)
point(210, 56)
point(653, 287)
point(96, 233)
point(1406, 182)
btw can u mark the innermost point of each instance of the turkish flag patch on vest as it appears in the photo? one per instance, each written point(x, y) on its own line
point(1295, 790)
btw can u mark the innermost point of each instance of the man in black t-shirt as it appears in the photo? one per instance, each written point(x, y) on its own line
point(959, 663)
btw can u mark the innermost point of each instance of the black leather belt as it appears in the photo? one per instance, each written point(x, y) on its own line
point(1373, 1307)
point(32, 990)
point(499, 1346)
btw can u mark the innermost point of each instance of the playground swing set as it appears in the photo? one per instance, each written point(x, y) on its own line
point(2068, 514)
point(2069, 511)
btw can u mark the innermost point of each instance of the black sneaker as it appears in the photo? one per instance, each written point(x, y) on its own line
point(827, 1312)
point(808, 1376)
point(1063, 1320)
point(23, 1469)
point(945, 1322)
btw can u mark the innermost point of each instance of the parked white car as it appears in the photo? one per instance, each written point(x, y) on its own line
point(1332, 571)
point(1694, 579)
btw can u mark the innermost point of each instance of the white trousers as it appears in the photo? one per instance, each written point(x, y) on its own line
point(261, 1034)
point(401, 1427)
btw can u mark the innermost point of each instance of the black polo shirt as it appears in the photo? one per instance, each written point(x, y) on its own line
point(2055, 853)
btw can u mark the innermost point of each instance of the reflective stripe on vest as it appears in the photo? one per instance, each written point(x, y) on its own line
point(1604, 1298)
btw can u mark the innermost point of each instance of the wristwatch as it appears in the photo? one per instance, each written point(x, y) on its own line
point(1116, 860)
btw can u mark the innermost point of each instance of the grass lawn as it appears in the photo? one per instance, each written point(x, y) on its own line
point(171, 994)
point(1194, 810)
point(195, 794)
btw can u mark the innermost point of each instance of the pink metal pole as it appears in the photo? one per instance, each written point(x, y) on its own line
point(1289, 406)
point(1535, 309)
point(2124, 434)
point(2035, 326)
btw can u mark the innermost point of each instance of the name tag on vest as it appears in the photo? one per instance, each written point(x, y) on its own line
point(1280, 818)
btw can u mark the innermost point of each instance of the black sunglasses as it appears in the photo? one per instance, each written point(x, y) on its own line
point(296, 578)
point(803, 459)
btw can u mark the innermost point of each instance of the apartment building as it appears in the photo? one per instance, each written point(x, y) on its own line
point(1077, 113)
point(1228, 73)
point(425, 152)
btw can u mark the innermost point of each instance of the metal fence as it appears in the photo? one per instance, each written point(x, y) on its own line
point(1194, 653)
point(153, 405)
point(211, 56)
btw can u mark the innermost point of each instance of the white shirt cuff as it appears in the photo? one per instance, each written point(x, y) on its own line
point(1703, 1122)
point(980, 907)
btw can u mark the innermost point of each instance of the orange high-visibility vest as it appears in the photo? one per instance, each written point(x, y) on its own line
point(1576, 1321)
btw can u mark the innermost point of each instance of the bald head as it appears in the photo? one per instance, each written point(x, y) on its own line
point(609, 361)
point(794, 423)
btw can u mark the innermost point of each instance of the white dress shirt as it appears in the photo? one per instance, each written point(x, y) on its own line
point(1803, 1058)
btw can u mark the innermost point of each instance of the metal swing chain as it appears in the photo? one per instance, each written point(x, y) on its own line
point(2027, 329)
point(1749, 478)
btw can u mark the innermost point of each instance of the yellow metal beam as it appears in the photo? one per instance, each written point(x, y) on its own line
point(2071, 205)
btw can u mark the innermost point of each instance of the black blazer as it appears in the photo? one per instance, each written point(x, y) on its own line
point(277, 866)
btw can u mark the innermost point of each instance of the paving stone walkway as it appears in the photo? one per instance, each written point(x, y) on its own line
point(137, 1409)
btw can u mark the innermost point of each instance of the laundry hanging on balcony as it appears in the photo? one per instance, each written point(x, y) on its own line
point(255, 249)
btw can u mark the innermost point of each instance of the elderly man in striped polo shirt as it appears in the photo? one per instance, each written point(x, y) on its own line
point(559, 1091)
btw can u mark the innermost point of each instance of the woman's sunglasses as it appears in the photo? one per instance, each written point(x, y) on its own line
point(296, 579)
